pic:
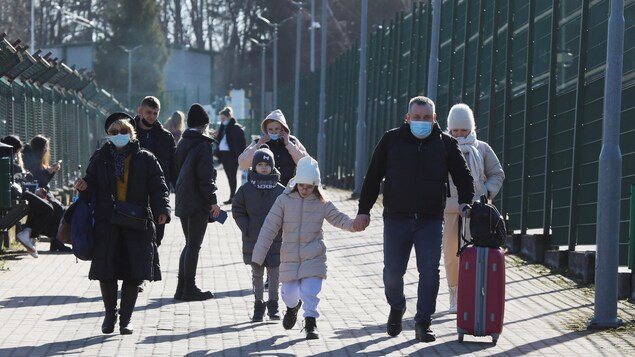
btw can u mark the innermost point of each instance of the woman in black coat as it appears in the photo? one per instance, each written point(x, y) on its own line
point(121, 171)
point(195, 198)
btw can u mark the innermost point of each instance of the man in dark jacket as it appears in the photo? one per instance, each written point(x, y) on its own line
point(195, 198)
point(415, 160)
point(231, 143)
point(156, 139)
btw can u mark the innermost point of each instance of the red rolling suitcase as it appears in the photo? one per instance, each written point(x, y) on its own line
point(481, 292)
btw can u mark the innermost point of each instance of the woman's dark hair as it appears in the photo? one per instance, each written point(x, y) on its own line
point(14, 141)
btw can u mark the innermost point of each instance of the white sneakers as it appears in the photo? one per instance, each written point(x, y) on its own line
point(452, 309)
point(24, 237)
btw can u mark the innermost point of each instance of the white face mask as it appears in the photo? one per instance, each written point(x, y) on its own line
point(120, 140)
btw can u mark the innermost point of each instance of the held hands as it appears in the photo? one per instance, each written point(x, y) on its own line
point(465, 210)
point(81, 184)
point(361, 222)
point(215, 210)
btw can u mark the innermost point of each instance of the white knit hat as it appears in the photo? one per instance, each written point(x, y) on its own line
point(461, 117)
point(307, 172)
point(277, 116)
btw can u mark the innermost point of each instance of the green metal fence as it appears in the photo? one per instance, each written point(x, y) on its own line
point(533, 72)
point(39, 95)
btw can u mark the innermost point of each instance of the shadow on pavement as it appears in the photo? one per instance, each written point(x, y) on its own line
point(55, 348)
point(241, 326)
point(45, 300)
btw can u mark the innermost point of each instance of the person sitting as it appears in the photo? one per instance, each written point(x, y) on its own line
point(45, 212)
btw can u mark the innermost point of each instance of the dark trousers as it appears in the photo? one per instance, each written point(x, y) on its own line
point(44, 216)
point(400, 235)
point(230, 165)
point(194, 227)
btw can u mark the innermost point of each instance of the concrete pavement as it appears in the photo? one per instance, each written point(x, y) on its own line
point(49, 307)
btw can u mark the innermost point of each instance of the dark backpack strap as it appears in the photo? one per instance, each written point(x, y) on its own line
point(461, 235)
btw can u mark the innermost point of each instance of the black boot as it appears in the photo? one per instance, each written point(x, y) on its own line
point(423, 332)
point(310, 328)
point(192, 293)
point(129, 295)
point(272, 310)
point(291, 316)
point(178, 295)
point(259, 311)
point(393, 327)
point(109, 295)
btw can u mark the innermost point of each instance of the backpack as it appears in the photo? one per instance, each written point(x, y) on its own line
point(82, 229)
point(487, 225)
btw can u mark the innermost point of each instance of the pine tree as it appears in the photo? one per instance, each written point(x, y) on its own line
point(132, 23)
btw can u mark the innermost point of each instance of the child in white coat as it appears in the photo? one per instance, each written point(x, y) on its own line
point(300, 211)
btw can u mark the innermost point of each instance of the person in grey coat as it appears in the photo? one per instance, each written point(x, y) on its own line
point(250, 207)
point(195, 198)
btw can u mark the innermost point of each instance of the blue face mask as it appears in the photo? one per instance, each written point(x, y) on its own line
point(421, 129)
point(120, 140)
point(274, 136)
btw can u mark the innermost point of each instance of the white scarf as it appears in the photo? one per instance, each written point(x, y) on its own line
point(475, 162)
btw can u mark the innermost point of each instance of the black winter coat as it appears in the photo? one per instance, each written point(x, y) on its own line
point(416, 173)
point(119, 253)
point(249, 209)
point(196, 177)
point(164, 148)
point(235, 137)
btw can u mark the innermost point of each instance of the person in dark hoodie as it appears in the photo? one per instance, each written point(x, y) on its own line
point(122, 173)
point(195, 198)
point(155, 138)
point(231, 143)
point(251, 205)
point(415, 160)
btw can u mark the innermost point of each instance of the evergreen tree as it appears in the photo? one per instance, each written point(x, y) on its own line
point(132, 23)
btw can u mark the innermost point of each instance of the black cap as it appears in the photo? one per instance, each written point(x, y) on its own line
point(197, 116)
point(14, 141)
point(116, 116)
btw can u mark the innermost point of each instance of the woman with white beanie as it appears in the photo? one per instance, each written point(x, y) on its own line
point(488, 178)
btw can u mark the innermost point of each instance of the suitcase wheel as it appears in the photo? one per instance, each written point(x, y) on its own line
point(494, 339)
point(460, 337)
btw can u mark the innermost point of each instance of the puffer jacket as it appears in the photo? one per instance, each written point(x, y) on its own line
point(494, 176)
point(196, 177)
point(114, 246)
point(303, 252)
point(249, 209)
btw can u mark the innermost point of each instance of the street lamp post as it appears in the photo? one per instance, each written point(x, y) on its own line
point(322, 107)
point(275, 27)
point(263, 46)
point(296, 96)
point(129, 52)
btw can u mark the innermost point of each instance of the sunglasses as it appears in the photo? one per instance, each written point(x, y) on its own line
point(120, 131)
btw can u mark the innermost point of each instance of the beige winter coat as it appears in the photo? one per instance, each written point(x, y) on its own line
point(303, 253)
point(494, 175)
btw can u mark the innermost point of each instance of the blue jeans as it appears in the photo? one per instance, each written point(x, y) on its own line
point(400, 234)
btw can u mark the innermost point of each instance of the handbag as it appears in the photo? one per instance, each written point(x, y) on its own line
point(128, 215)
